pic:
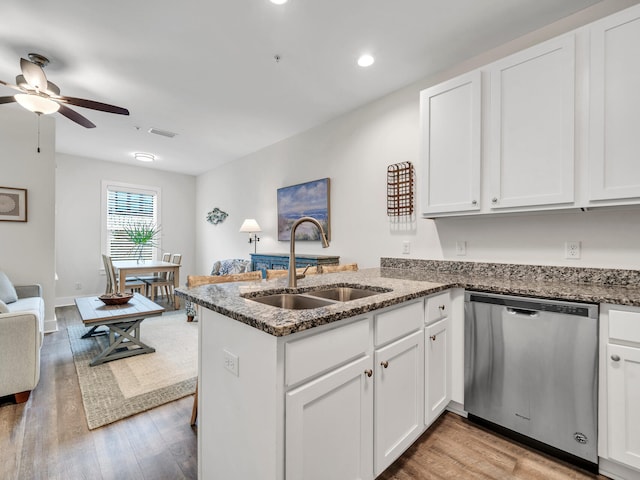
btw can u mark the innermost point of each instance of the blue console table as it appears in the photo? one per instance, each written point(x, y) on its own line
point(280, 261)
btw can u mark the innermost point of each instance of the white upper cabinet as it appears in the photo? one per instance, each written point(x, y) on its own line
point(531, 159)
point(450, 116)
point(614, 168)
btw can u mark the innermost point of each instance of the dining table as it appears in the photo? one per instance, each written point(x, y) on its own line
point(134, 268)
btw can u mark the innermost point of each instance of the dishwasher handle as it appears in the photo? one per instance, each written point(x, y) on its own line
point(522, 311)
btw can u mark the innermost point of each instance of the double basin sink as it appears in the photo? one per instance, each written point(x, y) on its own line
point(321, 297)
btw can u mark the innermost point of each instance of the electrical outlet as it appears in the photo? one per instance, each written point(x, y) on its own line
point(572, 250)
point(78, 286)
point(231, 362)
point(461, 248)
point(406, 247)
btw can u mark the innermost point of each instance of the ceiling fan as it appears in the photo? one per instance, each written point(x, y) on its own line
point(41, 96)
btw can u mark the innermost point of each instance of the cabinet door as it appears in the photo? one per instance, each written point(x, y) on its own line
point(329, 430)
point(450, 118)
point(437, 369)
point(623, 404)
point(399, 394)
point(614, 170)
point(532, 126)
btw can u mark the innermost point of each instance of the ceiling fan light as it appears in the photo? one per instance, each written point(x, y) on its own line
point(36, 103)
point(144, 157)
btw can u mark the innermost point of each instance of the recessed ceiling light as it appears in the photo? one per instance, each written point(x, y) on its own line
point(144, 157)
point(279, 2)
point(365, 60)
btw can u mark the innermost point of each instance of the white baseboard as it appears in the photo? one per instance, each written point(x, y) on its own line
point(51, 325)
point(616, 470)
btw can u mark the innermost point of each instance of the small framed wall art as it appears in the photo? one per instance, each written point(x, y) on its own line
point(13, 204)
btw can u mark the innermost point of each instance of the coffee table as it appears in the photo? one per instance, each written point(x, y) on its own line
point(122, 322)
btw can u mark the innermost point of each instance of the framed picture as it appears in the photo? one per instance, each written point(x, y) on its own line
point(13, 204)
point(309, 199)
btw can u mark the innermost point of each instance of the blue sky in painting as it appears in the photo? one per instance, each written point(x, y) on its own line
point(306, 197)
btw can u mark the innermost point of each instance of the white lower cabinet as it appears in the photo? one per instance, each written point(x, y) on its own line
point(437, 369)
point(399, 387)
point(624, 404)
point(619, 424)
point(328, 425)
point(340, 401)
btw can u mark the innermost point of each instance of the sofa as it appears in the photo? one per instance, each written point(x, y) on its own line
point(230, 266)
point(21, 337)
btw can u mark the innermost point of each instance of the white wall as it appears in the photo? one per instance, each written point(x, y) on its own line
point(78, 217)
point(354, 152)
point(27, 249)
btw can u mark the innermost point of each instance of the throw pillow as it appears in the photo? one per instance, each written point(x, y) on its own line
point(7, 290)
point(3, 307)
point(215, 270)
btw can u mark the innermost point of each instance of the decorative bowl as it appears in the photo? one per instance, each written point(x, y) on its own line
point(115, 298)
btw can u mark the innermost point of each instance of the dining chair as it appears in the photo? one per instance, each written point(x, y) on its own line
point(347, 267)
point(134, 285)
point(299, 271)
point(165, 281)
point(166, 256)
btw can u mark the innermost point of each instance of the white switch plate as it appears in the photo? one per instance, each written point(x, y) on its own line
point(231, 362)
point(406, 247)
point(461, 248)
point(572, 250)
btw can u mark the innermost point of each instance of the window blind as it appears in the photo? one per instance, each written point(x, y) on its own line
point(126, 208)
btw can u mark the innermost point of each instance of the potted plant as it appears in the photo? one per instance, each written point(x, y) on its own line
point(142, 235)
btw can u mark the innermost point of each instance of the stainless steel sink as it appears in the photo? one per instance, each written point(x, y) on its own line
point(292, 301)
point(343, 294)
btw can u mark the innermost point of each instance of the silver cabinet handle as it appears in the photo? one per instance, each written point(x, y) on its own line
point(368, 372)
point(441, 307)
point(433, 337)
point(615, 358)
point(474, 202)
point(384, 363)
point(494, 200)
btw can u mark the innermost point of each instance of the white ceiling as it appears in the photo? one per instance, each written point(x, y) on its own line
point(206, 69)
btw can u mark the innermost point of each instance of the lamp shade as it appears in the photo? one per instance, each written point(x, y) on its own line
point(250, 226)
point(36, 103)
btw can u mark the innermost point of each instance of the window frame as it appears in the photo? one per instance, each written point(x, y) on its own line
point(110, 185)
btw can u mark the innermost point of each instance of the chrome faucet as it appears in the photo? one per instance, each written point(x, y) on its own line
point(293, 277)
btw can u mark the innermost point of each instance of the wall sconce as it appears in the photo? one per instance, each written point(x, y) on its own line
point(251, 226)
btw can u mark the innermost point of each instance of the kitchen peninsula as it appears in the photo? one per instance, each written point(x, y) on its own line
point(342, 390)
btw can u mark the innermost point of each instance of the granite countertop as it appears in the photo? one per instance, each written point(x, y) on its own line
point(405, 284)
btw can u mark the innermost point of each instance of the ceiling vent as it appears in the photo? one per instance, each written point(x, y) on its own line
point(164, 133)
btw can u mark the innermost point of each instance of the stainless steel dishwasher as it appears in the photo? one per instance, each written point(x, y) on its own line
point(531, 367)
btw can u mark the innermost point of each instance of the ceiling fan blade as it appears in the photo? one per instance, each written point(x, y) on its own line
point(76, 117)
point(10, 85)
point(33, 74)
point(7, 99)
point(103, 107)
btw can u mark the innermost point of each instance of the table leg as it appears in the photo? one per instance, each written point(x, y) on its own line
point(118, 333)
point(176, 284)
point(122, 281)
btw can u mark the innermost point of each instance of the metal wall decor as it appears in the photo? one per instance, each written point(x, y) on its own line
point(400, 189)
point(216, 216)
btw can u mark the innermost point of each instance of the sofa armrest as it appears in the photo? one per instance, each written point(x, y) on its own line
point(19, 352)
point(25, 291)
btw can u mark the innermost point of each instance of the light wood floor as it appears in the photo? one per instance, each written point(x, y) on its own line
point(47, 438)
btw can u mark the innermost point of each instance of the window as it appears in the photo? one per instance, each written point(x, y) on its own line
point(127, 205)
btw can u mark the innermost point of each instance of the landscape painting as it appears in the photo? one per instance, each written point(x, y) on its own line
point(309, 199)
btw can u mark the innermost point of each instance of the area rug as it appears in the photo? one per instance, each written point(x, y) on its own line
point(121, 388)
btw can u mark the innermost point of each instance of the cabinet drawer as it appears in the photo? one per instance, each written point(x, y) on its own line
point(624, 326)
point(319, 353)
point(398, 322)
point(438, 306)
